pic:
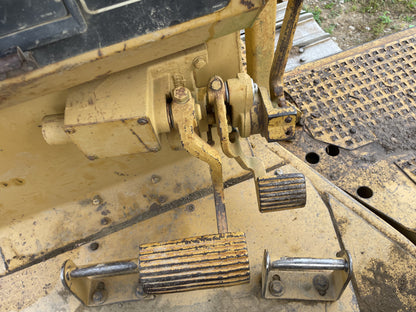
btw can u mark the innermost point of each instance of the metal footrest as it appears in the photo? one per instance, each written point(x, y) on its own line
point(285, 191)
point(306, 278)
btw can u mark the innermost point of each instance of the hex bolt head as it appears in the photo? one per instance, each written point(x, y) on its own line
point(190, 207)
point(155, 179)
point(215, 85)
point(139, 292)
point(276, 288)
point(97, 200)
point(162, 199)
point(181, 95)
point(199, 62)
point(321, 284)
point(98, 296)
point(105, 221)
point(142, 121)
point(70, 130)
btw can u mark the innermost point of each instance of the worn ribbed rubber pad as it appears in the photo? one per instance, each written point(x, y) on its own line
point(281, 192)
point(194, 263)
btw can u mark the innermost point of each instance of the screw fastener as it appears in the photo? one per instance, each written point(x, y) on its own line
point(276, 288)
point(216, 85)
point(321, 284)
point(181, 95)
point(289, 132)
point(199, 62)
point(97, 200)
point(155, 179)
point(98, 296)
point(142, 121)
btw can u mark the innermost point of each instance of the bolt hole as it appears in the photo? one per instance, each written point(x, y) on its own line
point(365, 192)
point(94, 246)
point(276, 277)
point(332, 150)
point(312, 158)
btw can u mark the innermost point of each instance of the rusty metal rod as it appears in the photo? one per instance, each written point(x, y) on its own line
point(222, 224)
point(281, 54)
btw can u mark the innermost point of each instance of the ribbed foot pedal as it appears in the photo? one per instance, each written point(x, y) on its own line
point(194, 263)
point(285, 191)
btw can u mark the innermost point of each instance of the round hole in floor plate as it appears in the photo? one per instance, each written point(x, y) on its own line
point(365, 192)
point(94, 246)
point(312, 158)
point(332, 150)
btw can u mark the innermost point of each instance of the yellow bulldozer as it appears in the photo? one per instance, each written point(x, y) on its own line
point(169, 155)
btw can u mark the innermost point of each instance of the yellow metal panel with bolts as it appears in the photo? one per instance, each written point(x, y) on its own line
point(164, 211)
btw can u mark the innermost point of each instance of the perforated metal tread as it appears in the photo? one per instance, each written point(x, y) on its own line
point(355, 97)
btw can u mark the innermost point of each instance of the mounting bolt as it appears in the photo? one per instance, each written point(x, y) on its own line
point(289, 132)
point(139, 292)
point(155, 179)
point(181, 95)
point(190, 207)
point(98, 297)
point(278, 172)
point(142, 121)
point(70, 130)
point(162, 199)
point(276, 288)
point(105, 221)
point(199, 62)
point(97, 200)
point(288, 119)
point(321, 284)
point(215, 85)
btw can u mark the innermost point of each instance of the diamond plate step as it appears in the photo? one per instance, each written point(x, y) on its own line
point(353, 97)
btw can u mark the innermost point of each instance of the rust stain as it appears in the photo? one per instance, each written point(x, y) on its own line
point(247, 3)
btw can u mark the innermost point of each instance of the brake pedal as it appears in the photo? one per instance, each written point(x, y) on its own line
point(194, 263)
point(284, 191)
point(200, 262)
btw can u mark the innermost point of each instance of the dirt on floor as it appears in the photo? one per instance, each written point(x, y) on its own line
point(354, 22)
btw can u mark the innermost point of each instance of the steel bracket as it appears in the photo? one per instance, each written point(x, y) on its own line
point(103, 283)
point(306, 278)
point(278, 122)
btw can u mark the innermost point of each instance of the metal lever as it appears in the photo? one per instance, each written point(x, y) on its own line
point(273, 193)
point(183, 113)
point(306, 278)
point(281, 55)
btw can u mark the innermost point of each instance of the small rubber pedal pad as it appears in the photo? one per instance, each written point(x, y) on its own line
point(194, 263)
point(284, 191)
